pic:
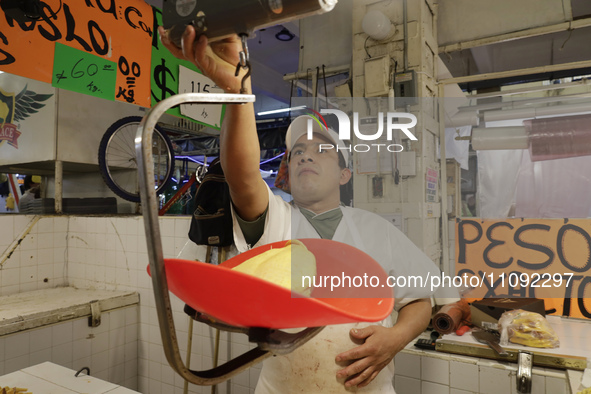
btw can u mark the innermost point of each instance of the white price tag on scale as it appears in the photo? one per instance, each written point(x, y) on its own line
point(193, 82)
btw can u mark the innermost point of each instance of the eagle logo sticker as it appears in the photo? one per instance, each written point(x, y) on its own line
point(16, 108)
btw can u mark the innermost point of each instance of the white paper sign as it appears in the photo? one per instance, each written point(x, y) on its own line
point(192, 82)
point(27, 120)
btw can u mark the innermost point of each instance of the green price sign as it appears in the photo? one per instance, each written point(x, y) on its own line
point(171, 76)
point(83, 72)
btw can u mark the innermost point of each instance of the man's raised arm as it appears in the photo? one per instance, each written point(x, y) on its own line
point(239, 143)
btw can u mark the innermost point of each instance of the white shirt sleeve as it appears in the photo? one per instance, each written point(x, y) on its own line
point(412, 268)
point(277, 224)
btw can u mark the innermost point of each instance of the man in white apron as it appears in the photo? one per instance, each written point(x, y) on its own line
point(341, 358)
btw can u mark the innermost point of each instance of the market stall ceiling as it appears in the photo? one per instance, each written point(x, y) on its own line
point(570, 45)
point(271, 59)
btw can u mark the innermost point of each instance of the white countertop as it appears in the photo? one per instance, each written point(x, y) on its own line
point(37, 308)
point(49, 378)
point(573, 334)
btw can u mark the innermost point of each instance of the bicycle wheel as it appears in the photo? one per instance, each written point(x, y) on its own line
point(118, 163)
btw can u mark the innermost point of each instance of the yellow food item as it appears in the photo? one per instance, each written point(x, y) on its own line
point(528, 329)
point(531, 339)
point(13, 390)
point(275, 265)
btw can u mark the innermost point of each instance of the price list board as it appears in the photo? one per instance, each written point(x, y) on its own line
point(80, 71)
point(95, 33)
point(171, 76)
point(103, 48)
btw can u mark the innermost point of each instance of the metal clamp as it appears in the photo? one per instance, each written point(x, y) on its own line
point(244, 62)
point(270, 341)
point(524, 367)
point(95, 314)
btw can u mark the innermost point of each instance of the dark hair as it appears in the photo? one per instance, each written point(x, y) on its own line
point(28, 182)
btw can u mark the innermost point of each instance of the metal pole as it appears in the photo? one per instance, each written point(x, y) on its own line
point(216, 350)
point(329, 71)
point(538, 31)
point(216, 353)
point(315, 90)
point(143, 145)
point(189, 347)
point(405, 29)
point(59, 188)
point(444, 219)
point(516, 73)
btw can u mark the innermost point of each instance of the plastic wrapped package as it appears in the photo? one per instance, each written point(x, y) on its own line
point(451, 316)
point(528, 329)
point(558, 138)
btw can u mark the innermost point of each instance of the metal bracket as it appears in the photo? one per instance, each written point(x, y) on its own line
point(270, 341)
point(524, 367)
point(244, 62)
point(274, 341)
point(95, 314)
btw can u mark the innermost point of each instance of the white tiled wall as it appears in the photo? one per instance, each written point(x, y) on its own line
point(110, 253)
point(37, 262)
point(426, 372)
point(109, 350)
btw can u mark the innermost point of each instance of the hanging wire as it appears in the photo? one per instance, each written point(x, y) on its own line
point(290, 97)
point(365, 47)
point(325, 89)
point(570, 32)
point(205, 164)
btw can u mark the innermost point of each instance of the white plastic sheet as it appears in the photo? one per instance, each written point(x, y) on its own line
point(455, 149)
point(545, 189)
point(554, 188)
point(498, 171)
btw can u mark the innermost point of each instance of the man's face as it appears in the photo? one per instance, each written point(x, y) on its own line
point(314, 173)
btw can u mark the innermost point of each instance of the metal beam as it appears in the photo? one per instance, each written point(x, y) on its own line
point(538, 31)
point(516, 73)
point(531, 89)
point(329, 72)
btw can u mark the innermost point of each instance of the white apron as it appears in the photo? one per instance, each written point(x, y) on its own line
point(311, 368)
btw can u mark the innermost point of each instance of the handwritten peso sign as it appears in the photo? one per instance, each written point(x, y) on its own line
point(535, 258)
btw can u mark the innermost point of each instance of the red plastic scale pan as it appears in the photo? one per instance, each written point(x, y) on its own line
point(243, 300)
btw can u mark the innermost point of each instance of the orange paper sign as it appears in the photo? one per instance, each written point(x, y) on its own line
point(116, 30)
point(541, 258)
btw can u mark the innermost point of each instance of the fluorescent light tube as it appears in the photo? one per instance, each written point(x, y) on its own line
point(280, 110)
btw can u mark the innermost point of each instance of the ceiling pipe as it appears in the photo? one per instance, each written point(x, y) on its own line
point(546, 139)
point(538, 31)
point(525, 113)
point(499, 138)
point(526, 101)
point(405, 32)
point(544, 88)
point(517, 73)
point(328, 71)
